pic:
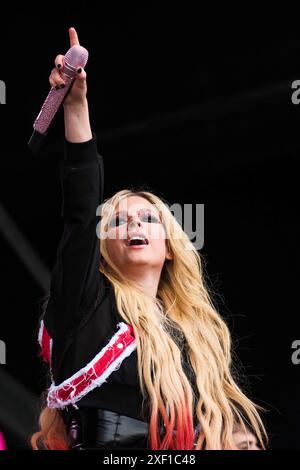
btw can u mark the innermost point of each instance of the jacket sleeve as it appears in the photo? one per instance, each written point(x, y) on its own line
point(74, 279)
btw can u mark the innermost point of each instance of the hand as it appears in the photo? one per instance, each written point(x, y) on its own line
point(76, 112)
point(77, 94)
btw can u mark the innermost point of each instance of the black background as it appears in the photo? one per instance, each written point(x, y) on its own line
point(197, 106)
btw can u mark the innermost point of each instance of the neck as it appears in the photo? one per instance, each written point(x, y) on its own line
point(147, 279)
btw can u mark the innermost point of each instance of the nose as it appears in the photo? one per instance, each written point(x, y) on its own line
point(133, 221)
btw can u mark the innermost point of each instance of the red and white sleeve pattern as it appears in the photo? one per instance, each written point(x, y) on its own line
point(45, 342)
point(96, 372)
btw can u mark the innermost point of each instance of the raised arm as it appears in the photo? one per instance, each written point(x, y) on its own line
point(75, 276)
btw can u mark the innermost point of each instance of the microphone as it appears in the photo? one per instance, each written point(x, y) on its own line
point(76, 56)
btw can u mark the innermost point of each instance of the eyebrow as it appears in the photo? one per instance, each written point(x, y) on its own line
point(246, 442)
point(140, 210)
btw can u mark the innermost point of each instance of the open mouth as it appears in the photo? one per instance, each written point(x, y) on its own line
point(137, 240)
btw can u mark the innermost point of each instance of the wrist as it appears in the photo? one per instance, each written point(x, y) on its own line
point(77, 106)
point(77, 122)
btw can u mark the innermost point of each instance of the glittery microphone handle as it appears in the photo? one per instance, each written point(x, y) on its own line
point(76, 56)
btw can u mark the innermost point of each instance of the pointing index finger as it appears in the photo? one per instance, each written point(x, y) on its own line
point(74, 41)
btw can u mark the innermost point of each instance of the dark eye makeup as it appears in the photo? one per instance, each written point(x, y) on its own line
point(145, 217)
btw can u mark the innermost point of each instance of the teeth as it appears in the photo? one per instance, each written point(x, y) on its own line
point(137, 237)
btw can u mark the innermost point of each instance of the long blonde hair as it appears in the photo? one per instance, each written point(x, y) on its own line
point(182, 301)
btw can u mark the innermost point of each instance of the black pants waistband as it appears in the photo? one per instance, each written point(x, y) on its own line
point(94, 428)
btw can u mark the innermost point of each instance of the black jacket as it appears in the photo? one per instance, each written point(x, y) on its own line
point(81, 314)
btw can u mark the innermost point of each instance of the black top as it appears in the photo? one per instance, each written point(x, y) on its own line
point(81, 315)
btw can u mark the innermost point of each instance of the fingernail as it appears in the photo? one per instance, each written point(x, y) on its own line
point(79, 70)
